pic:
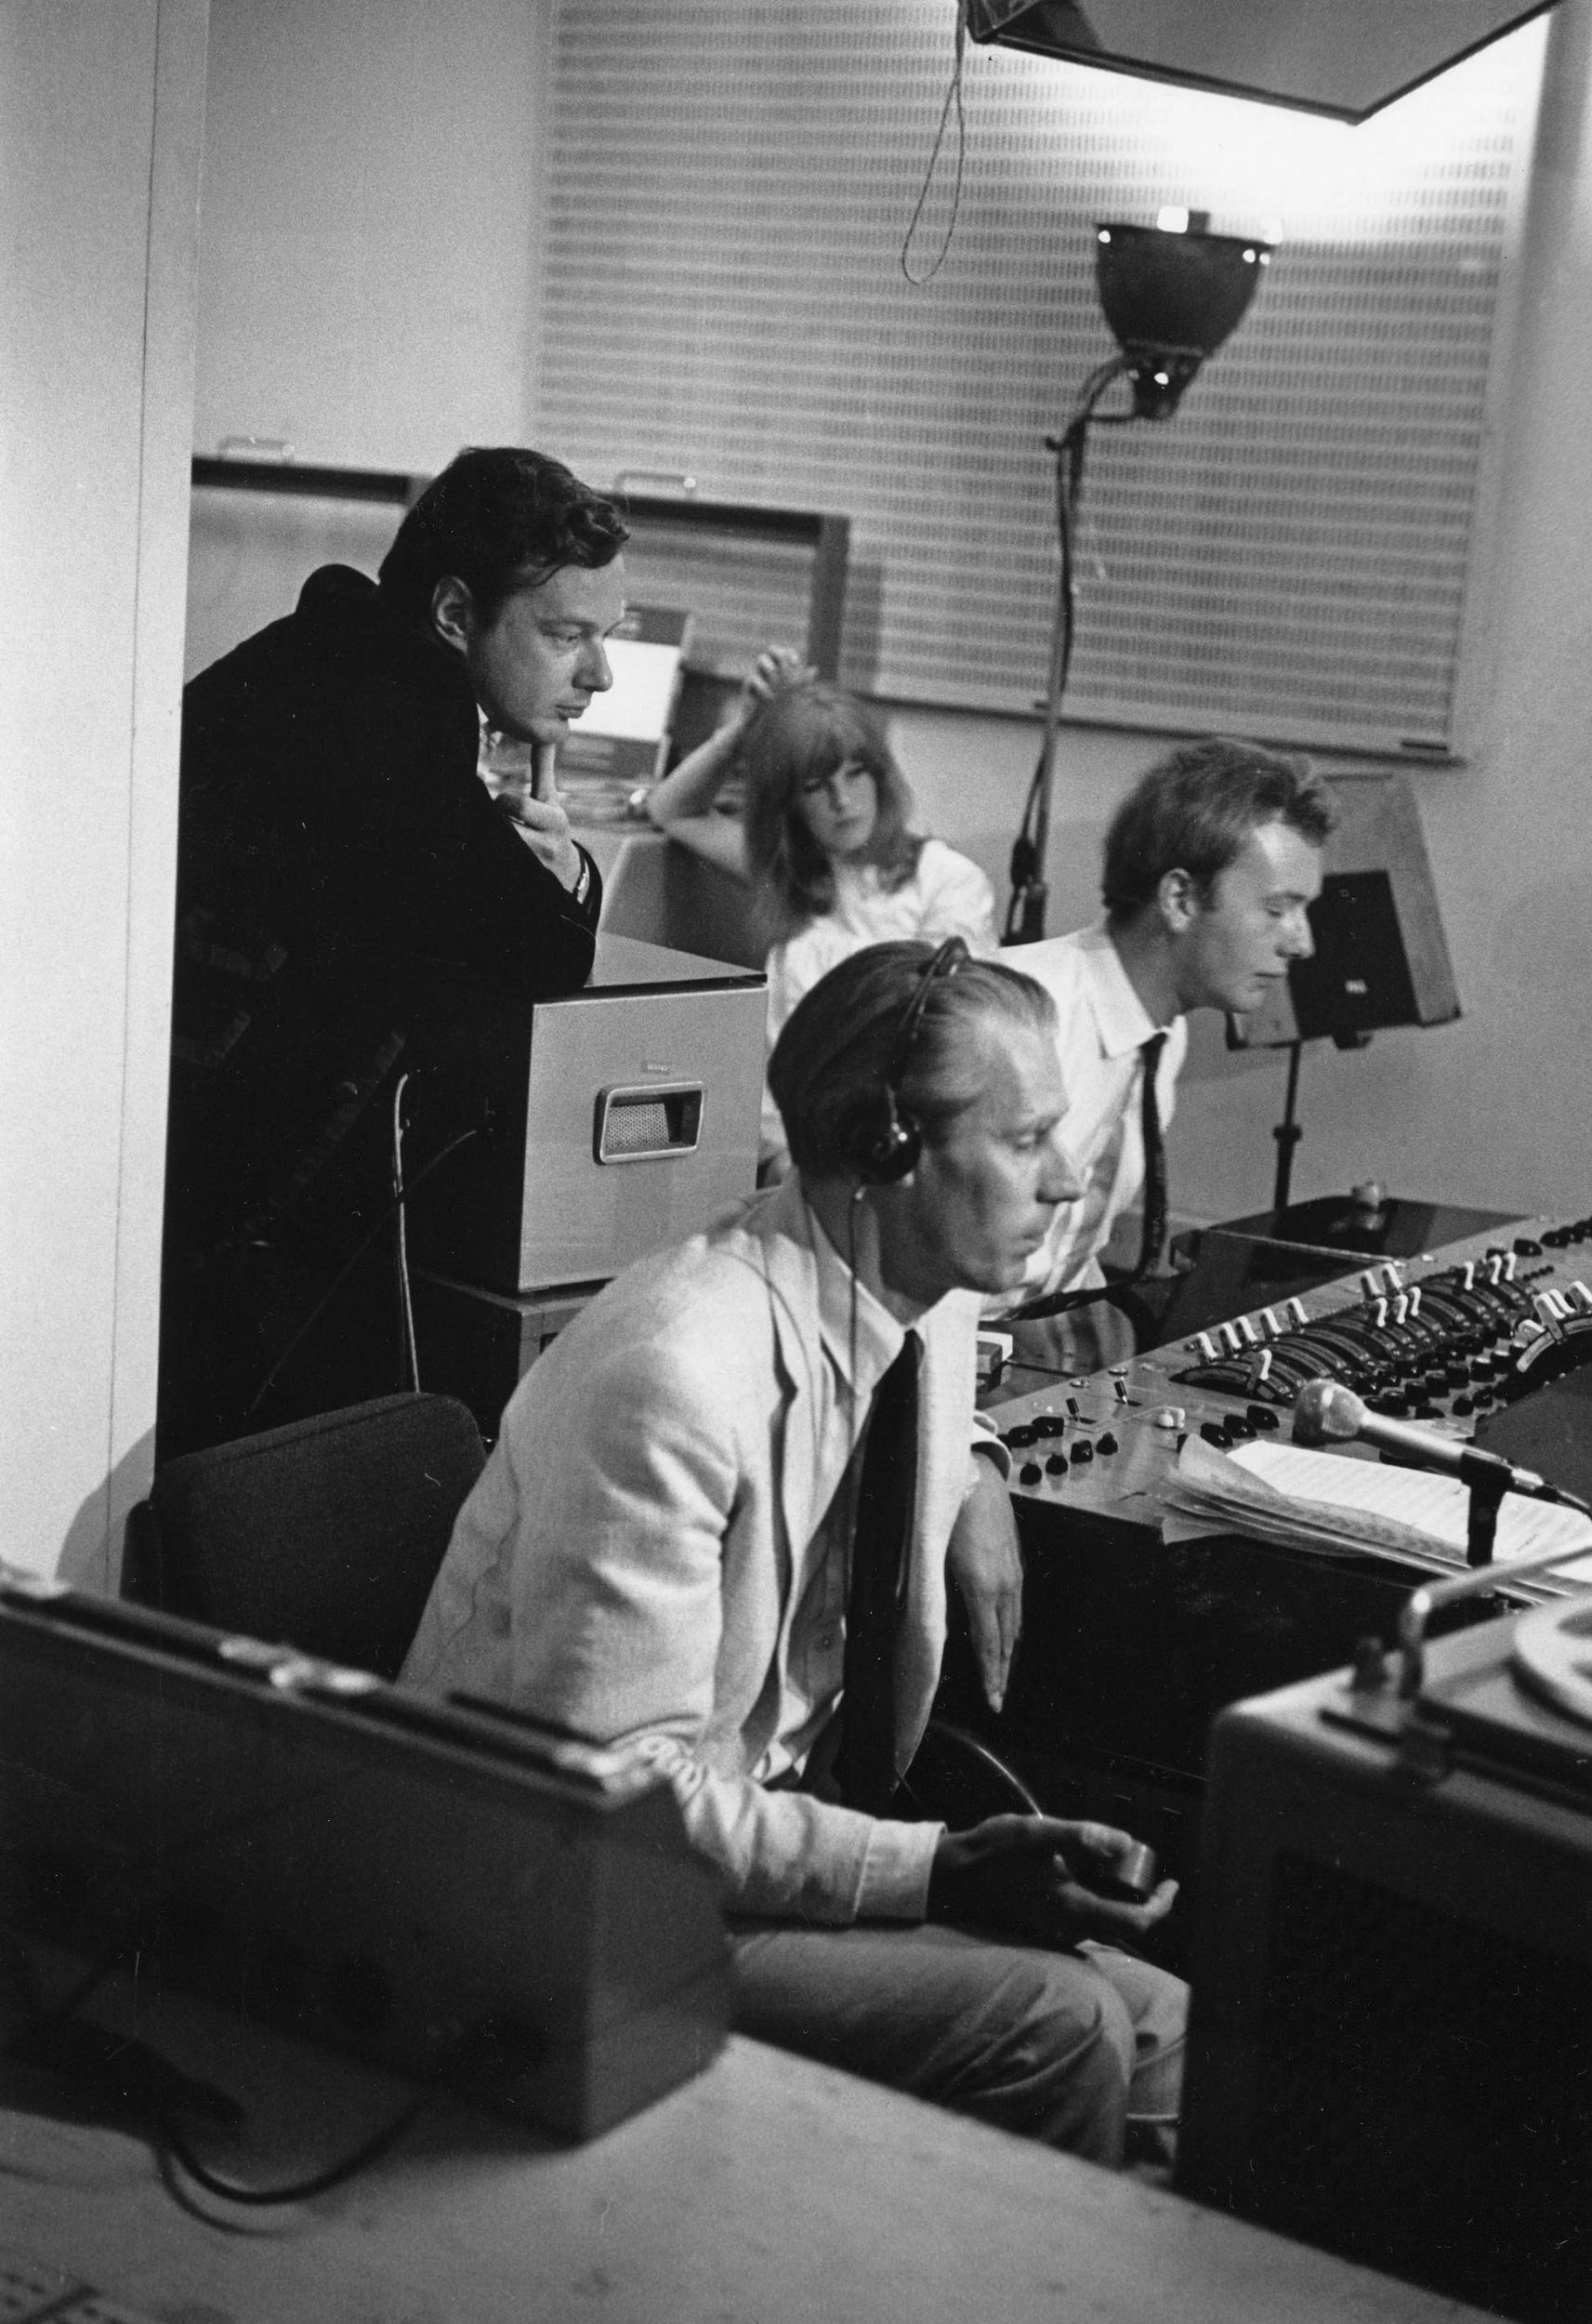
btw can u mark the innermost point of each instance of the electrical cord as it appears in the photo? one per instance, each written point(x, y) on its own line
point(1057, 1302)
point(173, 2145)
point(345, 1269)
point(405, 1295)
point(142, 2079)
point(953, 98)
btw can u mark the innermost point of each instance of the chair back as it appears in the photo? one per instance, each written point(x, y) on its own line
point(325, 1534)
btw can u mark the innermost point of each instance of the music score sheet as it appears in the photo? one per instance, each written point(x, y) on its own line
point(1337, 1505)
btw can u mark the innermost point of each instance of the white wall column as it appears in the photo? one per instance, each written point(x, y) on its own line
point(102, 108)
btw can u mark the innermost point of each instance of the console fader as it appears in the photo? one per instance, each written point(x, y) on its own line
point(1442, 1338)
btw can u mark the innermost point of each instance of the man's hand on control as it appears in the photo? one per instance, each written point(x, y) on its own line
point(1030, 1875)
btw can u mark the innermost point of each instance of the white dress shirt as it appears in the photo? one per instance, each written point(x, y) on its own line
point(1103, 1026)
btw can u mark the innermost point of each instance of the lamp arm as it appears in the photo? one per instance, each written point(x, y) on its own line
point(1025, 913)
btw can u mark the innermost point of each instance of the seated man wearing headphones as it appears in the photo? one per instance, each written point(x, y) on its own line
point(716, 1527)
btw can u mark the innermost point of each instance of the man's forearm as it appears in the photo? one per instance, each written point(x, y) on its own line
point(785, 1855)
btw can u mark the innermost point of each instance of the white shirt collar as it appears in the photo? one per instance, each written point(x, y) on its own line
point(1122, 1020)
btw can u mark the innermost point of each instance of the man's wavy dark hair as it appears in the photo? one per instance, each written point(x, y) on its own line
point(1195, 809)
point(497, 519)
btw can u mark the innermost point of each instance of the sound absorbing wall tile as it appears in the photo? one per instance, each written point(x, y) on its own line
point(728, 188)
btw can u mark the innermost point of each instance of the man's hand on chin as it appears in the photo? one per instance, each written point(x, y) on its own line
point(545, 827)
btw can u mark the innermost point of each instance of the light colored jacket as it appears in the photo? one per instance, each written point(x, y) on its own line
point(624, 1565)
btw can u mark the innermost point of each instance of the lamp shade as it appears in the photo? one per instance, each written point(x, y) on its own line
point(1346, 59)
point(1171, 299)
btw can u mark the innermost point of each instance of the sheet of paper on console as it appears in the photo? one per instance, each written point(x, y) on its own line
point(1340, 1506)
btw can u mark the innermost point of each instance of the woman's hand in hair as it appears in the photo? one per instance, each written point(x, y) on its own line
point(690, 788)
point(775, 672)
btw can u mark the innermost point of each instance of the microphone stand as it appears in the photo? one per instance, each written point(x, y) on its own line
point(1487, 1491)
point(1288, 1132)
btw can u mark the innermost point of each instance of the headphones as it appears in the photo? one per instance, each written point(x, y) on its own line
point(883, 1143)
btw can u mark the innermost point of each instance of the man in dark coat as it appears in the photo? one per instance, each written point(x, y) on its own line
point(339, 860)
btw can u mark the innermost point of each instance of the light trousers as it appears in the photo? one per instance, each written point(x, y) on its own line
point(1082, 2049)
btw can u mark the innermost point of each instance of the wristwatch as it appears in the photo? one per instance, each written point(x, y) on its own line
point(582, 888)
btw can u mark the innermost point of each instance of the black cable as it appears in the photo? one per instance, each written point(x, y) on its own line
point(1057, 1302)
point(140, 2078)
point(173, 2145)
point(345, 1269)
point(400, 1239)
point(952, 97)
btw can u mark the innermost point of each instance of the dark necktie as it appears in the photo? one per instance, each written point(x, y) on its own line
point(1155, 1159)
point(881, 1542)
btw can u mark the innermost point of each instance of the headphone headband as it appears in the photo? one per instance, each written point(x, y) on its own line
point(887, 1147)
point(947, 960)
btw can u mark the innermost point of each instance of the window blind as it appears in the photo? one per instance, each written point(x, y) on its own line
point(1291, 555)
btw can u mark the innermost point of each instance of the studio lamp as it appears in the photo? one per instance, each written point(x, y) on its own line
point(1171, 293)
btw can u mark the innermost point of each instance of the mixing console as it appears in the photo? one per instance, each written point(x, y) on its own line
point(1443, 1337)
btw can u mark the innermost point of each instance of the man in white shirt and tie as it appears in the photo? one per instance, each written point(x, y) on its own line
point(1211, 863)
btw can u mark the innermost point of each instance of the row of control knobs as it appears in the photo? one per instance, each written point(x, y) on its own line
point(1045, 1435)
point(1453, 1336)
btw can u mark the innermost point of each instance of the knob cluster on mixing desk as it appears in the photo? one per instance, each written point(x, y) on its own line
point(1452, 1336)
point(1445, 1337)
point(1054, 1442)
point(1402, 1349)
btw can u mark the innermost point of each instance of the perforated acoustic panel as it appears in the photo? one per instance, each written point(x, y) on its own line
point(1290, 556)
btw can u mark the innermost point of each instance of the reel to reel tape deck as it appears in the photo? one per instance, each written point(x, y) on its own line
point(1392, 1975)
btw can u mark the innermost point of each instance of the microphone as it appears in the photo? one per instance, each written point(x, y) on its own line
point(1326, 1412)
